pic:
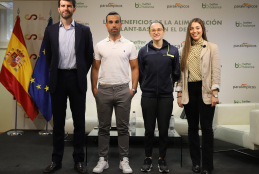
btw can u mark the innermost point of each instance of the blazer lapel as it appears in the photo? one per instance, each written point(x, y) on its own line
point(203, 51)
point(78, 32)
point(56, 39)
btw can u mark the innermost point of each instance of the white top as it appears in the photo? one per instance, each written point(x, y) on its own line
point(115, 57)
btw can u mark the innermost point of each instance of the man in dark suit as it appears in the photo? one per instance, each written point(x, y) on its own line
point(69, 55)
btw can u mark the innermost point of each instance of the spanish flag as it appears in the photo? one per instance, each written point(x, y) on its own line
point(17, 70)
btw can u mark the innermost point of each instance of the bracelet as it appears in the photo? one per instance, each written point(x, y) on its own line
point(178, 96)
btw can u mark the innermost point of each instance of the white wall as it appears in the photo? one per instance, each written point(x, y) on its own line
point(6, 103)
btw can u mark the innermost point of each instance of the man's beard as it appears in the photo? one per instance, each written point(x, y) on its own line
point(113, 33)
point(68, 16)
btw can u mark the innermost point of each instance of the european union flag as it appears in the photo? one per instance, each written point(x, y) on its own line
point(39, 84)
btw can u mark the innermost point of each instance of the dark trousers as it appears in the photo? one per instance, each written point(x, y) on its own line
point(67, 86)
point(196, 110)
point(159, 109)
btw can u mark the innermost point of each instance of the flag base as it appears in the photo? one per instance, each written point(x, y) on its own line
point(15, 133)
point(45, 133)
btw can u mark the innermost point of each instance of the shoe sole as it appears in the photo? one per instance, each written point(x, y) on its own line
point(142, 170)
point(162, 171)
point(124, 171)
point(106, 167)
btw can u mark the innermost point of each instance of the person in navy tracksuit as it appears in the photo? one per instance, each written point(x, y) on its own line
point(159, 69)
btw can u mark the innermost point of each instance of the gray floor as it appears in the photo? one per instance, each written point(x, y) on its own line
point(31, 153)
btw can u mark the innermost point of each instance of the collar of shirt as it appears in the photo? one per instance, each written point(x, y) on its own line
point(197, 42)
point(120, 39)
point(71, 25)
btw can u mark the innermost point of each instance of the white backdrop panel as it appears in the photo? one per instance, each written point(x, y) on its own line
point(232, 25)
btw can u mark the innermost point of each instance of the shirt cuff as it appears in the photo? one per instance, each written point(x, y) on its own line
point(178, 89)
point(215, 86)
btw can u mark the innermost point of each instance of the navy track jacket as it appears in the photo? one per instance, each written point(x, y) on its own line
point(159, 69)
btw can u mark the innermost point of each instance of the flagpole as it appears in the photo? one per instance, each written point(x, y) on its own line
point(46, 132)
point(15, 132)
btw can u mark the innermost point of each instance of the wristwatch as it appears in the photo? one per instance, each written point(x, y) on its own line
point(215, 95)
point(134, 90)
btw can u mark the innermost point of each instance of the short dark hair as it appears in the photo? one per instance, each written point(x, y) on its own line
point(113, 13)
point(154, 22)
point(73, 2)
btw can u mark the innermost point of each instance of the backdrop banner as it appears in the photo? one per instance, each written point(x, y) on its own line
point(232, 25)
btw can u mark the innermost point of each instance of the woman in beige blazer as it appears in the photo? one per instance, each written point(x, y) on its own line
point(198, 89)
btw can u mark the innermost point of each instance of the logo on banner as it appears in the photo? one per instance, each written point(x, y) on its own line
point(244, 86)
point(34, 17)
point(15, 58)
point(243, 101)
point(144, 5)
point(41, 17)
point(110, 5)
point(211, 6)
point(138, 44)
point(180, 46)
point(247, 45)
point(40, 116)
point(33, 56)
point(177, 46)
point(81, 5)
point(178, 5)
point(40, 37)
point(33, 37)
point(245, 5)
point(244, 24)
point(26, 116)
point(244, 65)
point(83, 23)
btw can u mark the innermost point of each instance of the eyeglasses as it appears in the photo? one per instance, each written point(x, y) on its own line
point(158, 30)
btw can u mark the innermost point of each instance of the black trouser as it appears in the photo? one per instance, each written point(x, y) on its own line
point(67, 86)
point(196, 110)
point(160, 109)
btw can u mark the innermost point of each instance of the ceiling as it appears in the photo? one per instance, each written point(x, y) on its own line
point(6, 5)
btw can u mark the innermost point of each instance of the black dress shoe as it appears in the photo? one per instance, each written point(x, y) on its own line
point(205, 172)
point(52, 167)
point(196, 169)
point(80, 167)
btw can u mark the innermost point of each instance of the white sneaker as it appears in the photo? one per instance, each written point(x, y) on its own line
point(124, 165)
point(102, 164)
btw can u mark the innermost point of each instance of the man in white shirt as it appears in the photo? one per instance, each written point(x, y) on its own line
point(114, 54)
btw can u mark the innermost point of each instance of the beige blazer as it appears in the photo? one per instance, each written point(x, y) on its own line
point(210, 69)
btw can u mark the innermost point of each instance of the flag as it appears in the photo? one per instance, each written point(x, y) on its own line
point(17, 70)
point(39, 84)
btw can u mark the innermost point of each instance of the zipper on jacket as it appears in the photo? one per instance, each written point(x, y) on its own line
point(157, 77)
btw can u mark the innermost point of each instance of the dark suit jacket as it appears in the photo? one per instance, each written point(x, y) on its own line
point(83, 48)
